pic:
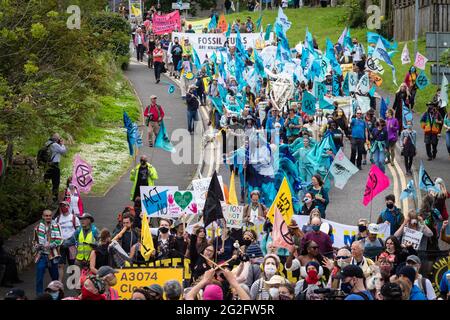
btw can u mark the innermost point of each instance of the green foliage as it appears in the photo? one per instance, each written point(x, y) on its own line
point(23, 195)
point(356, 13)
point(445, 58)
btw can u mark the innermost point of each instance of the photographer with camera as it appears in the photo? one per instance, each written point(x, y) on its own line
point(50, 157)
point(353, 283)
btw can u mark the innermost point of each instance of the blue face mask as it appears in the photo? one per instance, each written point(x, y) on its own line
point(54, 295)
point(316, 228)
point(346, 287)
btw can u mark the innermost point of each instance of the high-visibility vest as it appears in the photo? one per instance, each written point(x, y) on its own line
point(84, 245)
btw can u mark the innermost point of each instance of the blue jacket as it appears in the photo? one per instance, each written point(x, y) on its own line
point(417, 294)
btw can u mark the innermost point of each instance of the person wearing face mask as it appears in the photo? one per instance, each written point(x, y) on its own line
point(322, 239)
point(313, 128)
point(309, 203)
point(408, 139)
point(391, 214)
point(379, 144)
point(56, 290)
point(273, 286)
point(431, 123)
point(107, 275)
point(93, 288)
point(415, 222)
point(421, 282)
point(68, 222)
point(144, 174)
point(312, 279)
point(359, 137)
point(343, 258)
point(270, 267)
point(353, 283)
point(286, 291)
point(167, 245)
point(362, 229)
point(336, 134)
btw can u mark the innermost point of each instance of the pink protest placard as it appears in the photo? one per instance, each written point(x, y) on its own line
point(166, 23)
point(377, 181)
point(421, 60)
point(82, 175)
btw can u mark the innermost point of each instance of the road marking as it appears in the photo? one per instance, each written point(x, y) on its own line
point(394, 177)
point(403, 186)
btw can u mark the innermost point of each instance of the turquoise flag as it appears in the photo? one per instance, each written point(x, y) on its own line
point(222, 92)
point(319, 89)
point(372, 37)
point(332, 57)
point(212, 23)
point(268, 30)
point(197, 63)
point(324, 103)
point(425, 182)
point(372, 90)
point(131, 132)
point(336, 86)
point(162, 140)
point(217, 103)
point(308, 103)
point(239, 45)
point(422, 80)
point(383, 108)
point(409, 192)
point(228, 33)
point(259, 64)
point(345, 86)
point(258, 22)
point(309, 40)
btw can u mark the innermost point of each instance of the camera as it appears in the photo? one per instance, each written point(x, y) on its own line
point(330, 293)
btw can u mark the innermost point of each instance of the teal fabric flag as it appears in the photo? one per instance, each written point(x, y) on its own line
point(283, 19)
point(162, 139)
point(268, 31)
point(228, 33)
point(422, 80)
point(325, 103)
point(222, 92)
point(259, 64)
point(332, 57)
point(425, 182)
point(345, 86)
point(305, 56)
point(348, 43)
point(383, 108)
point(197, 63)
point(319, 89)
point(240, 46)
point(336, 86)
point(131, 135)
point(258, 22)
point(318, 155)
point(217, 103)
point(409, 192)
point(308, 103)
point(372, 37)
point(372, 90)
point(309, 40)
point(212, 23)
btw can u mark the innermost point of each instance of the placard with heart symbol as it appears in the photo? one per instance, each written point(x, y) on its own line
point(183, 199)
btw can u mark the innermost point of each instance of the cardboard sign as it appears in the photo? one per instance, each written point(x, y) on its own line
point(200, 187)
point(154, 200)
point(131, 278)
point(411, 236)
point(181, 202)
point(234, 216)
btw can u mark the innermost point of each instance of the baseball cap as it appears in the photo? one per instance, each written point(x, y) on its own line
point(14, 294)
point(153, 96)
point(351, 271)
point(414, 258)
point(55, 286)
point(156, 288)
point(276, 279)
point(373, 228)
point(87, 216)
point(105, 270)
point(65, 202)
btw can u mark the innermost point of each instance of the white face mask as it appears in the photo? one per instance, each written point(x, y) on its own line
point(274, 293)
point(342, 263)
point(270, 270)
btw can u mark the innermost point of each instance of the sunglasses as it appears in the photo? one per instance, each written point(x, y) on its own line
point(342, 257)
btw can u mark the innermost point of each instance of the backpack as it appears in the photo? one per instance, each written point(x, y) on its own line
point(362, 294)
point(44, 155)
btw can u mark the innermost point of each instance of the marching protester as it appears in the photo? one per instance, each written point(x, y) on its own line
point(73, 197)
point(408, 138)
point(153, 114)
point(431, 122)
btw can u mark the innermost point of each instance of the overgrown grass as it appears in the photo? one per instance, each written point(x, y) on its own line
point(325, 23)
point(102, 142)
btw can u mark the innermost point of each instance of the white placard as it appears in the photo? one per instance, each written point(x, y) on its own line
point(200, 188)
point(234, 216)
point(154, 200)
point(411, 236)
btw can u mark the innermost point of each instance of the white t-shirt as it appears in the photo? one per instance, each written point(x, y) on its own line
point(74, 205)
point(66, 224)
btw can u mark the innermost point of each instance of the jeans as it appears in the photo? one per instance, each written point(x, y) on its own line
point(357, 151)
point(378, 157)
point(158, 69)
point(447, 141)
point(43, 264)
point(191, 118)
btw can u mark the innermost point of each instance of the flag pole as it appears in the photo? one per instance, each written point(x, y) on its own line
point(371, 205)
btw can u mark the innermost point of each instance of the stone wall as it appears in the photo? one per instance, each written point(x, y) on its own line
point(20, 246)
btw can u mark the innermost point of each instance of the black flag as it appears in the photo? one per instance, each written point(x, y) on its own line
point(213, 209)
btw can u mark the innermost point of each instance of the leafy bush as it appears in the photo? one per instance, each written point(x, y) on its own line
point(445, 58)
point(356, 13)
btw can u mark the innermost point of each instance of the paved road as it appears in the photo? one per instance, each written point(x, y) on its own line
point(105, 209)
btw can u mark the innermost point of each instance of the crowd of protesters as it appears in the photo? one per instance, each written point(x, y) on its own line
point(238, 264)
